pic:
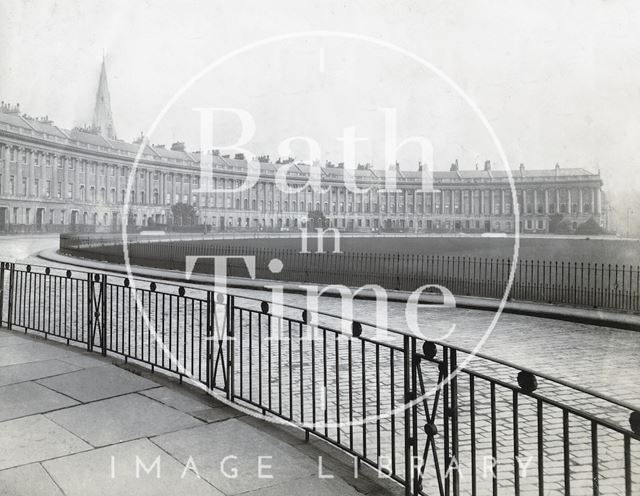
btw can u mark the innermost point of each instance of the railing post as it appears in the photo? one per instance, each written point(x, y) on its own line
point(209, 336)
point(12, 278)
point(230, 347)
point(90, 311)
point(408, 397)
point(1, 291)
point(453, 365)
point(103, 314)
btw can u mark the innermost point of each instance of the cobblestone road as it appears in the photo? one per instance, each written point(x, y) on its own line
point(602, 359)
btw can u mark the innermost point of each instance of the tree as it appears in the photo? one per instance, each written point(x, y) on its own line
point(183, 214)
point(559, 225)
point(590, 226)
point(315, 218)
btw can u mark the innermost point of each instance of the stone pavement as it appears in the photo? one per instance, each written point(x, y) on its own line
point(73, 423)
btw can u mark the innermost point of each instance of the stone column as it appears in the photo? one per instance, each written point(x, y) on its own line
point(535, 201)
point(31, 174)
point(76, 183)
point(598, 201)
point(569, 209)
point(4, 150)
point(64, 161)
point(546, 201)
point(54, 179)
point(18, 181)
point(581, 204)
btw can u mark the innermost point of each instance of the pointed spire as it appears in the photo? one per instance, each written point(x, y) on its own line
point(102, 118)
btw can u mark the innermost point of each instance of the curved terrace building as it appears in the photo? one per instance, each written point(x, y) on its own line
point(53, 179)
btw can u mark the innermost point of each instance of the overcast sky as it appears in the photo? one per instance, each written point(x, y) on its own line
point(558, 80)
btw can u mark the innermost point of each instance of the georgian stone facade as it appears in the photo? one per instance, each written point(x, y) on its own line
point(56, 179)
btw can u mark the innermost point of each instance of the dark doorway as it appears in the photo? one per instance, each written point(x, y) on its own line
point(39, 218)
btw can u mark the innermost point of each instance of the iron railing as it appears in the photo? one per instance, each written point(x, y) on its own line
point(420, 412)
point(588, 284)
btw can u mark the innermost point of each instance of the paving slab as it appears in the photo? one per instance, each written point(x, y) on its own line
point(185, 401)
point(217, 414)
point(122, 418)
point(12, 340)
point(135, 467)
point(27, 398)
point(28, 480)
point(311, 486)
point(31, 351)
point(85, 360)
point(97, 383)
point(21, 372)
point(230, 447)
point(33, 439)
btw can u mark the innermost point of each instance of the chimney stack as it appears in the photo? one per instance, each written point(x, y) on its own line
point(487, 165)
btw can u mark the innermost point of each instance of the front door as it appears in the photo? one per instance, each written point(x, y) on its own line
point(39, 218)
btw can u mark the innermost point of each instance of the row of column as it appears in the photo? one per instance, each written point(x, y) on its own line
point(478, 201)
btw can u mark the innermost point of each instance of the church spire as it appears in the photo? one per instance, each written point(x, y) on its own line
point(102, 118)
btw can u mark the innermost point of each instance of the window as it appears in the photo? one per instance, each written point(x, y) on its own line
point(24, 186)
point(70, 191)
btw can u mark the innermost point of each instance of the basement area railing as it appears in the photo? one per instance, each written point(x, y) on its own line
point(585, 284)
